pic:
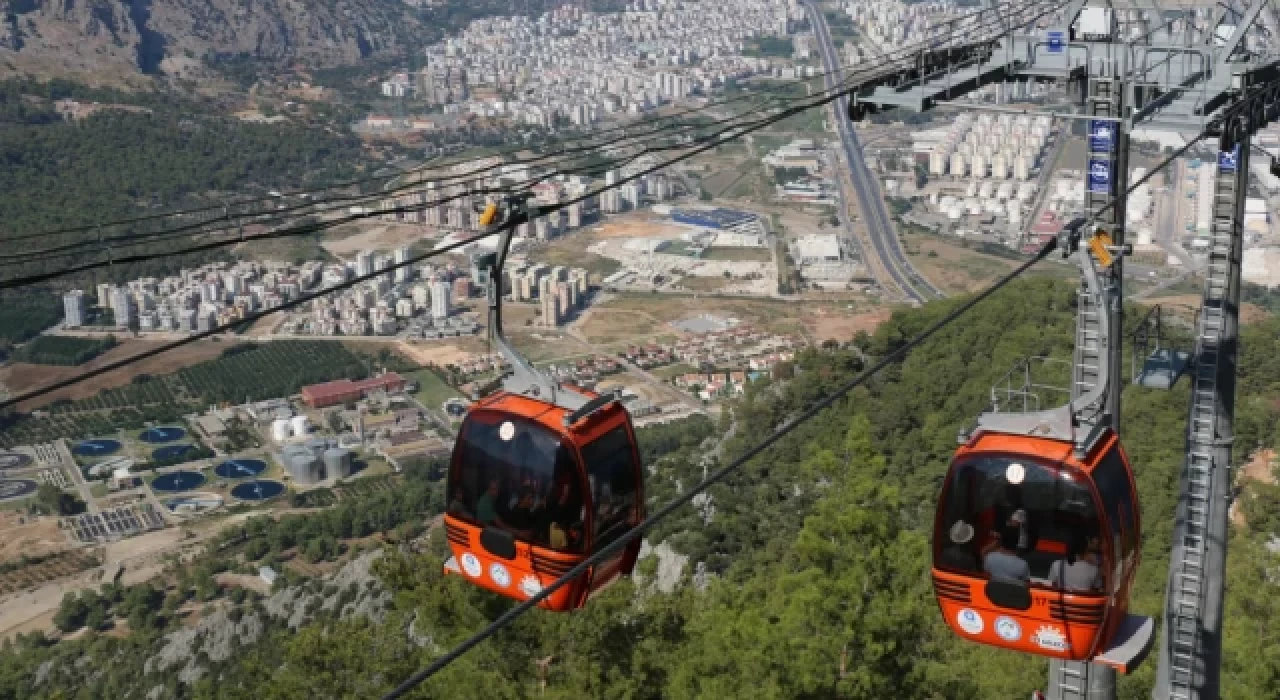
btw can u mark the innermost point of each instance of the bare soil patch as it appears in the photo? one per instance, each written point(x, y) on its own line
point(439, 353)
point(954, 268)
point(21, 376)
point(828, 324)
point(384, 236)
point(1258, 468)
point(639, 226)
point(33, 537)
point(245, 581)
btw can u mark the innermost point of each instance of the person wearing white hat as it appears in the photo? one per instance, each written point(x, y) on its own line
point(958, 554)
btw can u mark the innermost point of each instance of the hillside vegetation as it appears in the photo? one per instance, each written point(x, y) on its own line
point(816, 558)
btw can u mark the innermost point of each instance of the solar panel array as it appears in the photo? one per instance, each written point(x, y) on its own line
point(114, 523)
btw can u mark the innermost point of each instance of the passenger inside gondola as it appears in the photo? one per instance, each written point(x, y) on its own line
point(1080, 570)
point(510, 462)
point(1024, 514)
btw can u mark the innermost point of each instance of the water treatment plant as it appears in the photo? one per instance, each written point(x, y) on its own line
point(240, 468)
point(100, 447)
point(316, 460)
point(174, 482)
point(258, 490)
point(161, 435)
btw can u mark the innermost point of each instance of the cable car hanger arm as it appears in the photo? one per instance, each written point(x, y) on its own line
point(524, 378)
point(1062, 423)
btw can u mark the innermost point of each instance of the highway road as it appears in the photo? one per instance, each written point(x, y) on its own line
point(884, 240)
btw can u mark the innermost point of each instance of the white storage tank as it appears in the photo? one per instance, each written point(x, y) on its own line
point(280, 430)
point(317, 446)
point(1026, 191)
point(300, 426)
point(337, 463)
point(986, 189)
point(971, 190)
point(992, 206)
point(973, 206)
point(946, 202)
point(958, 164)
point(954, 213)
point(1005, 192)
point(1144, 237)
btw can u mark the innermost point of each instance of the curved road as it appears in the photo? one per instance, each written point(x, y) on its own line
point(879, 227)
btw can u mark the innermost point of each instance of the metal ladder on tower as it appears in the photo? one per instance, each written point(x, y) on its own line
point(1202, 434)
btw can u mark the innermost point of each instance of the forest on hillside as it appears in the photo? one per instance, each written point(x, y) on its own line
point(817, 555)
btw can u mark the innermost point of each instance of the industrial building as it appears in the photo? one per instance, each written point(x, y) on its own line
point(344, 390)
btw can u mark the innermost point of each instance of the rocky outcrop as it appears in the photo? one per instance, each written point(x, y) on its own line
point(174, 36)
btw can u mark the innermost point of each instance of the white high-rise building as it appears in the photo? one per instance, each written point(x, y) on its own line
point(404, 272)
point(73, 306)
point(364, 262)
point(440, 300)
point(122, 306)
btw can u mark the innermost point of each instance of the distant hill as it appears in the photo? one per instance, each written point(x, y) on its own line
point(110, 40)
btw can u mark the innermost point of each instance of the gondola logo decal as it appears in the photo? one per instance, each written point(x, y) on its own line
point(970, 621)
point(471, 565)
point(1008, 629)
point(500, 575)
point(530, 585)
point(1051, 638)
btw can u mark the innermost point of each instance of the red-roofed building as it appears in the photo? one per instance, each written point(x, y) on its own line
point(344, 390)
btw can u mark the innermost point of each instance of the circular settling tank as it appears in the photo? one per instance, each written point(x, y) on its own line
point(156, 436)
point(240, 468)
point(258, 490)
point(96, 448)
point(14, 460)
point(16, 488)
point(177, 481)
point(170, 453)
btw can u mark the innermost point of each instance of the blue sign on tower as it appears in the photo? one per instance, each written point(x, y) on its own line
point(1057, 40)
point(1227, 160)
point(1099, 176)
point(1102, 136)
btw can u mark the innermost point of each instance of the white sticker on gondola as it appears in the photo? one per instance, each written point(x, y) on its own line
point(500, 575)
point(1015, 473)
point(1051, 638)
point(471, 565)
point(507, 431)
point(1008, 629)
point(970, 621)
point(530, 585)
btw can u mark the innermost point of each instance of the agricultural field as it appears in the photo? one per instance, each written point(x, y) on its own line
point(315, 498)
point(432, 390)
point(359, 487)
point(62, 350)
point(29, 574)
point(253, 371)
point(738, 254)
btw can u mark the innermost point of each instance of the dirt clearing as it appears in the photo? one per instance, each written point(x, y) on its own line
point(32, 538)
point(380, 237)
point(438, 354)
point(21, 376)
point(636, 227)
point(826, 324)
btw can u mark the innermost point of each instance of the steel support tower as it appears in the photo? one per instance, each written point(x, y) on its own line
point(1133, 64)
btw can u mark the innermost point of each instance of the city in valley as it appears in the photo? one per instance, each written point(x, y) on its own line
point(231, 398)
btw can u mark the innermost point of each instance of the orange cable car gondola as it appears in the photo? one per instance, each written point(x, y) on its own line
point(542, 476)
point(1037, 534)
